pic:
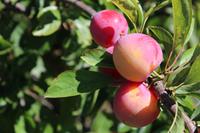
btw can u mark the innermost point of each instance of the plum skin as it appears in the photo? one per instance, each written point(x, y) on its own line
point(136, 105)
point(136, 55)
point(106, 28)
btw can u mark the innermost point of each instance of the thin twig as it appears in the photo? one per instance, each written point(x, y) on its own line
point(41, 99)
point(168, 59)
point(169, 103)
point(82, 6)
point(176, 59)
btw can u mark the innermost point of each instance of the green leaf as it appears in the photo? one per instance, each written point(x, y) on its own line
point(187, 102)
point(186, 57)
point(89, 103)
point(178, 122)
point(196, 113)
point(180, 76)
point(48, 129)
point(17, 35)
point(97, 57)
point(190, 30)
point(122, 128)
point(145, 129)
point(182, 16)
point(188, 89)
point(82, 26)
point(71, 83)
point(162, 36)
point(132, 9)
point(39, 68)
point(194, 73)
point(93, 56)
point(101, 124)
point(139, 11)
point(20, 125)
point(4, 43)
point(50, 21)
point(196, 53)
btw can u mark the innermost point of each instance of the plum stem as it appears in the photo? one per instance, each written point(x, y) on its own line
point(169, 103)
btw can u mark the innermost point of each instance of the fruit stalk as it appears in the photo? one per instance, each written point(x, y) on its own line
point(169, 103)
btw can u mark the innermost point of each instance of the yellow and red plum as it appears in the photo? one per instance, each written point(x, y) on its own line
point(136, 55)
point(106, 28)
point(135, 104)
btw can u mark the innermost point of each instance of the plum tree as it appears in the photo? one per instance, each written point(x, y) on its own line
point(136, 55)
point(106, 28)
point(135, 104)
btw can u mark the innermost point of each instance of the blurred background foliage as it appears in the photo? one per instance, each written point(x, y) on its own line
point(39, 39)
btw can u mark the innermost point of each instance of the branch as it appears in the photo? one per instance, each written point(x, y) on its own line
point(82, 6)
point(41, 99)
point(169, 103)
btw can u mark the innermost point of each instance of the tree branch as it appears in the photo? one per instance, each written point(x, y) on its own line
point(82, 6)
point(41, 99)
point(169, 103)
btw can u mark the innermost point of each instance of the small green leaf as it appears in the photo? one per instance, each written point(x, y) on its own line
point(186, 57)
point(139, 11)
point(145, 129)
point(20, 125)
point(39, 68)
point(122, 128)
point(190, 30)
point(194, 73)
point(93, 56)
point(4, 43)
point(188, 89)
point(196, 53)
point(82, 26)
point(50, 21)
point(101, 124)
point(163, 36)
point(196, 113)
point(180, 76)
point(182, 16)
point(187, 102)
point(71, 83)
point(48, 129)
point(97, 57)
point(17, 35)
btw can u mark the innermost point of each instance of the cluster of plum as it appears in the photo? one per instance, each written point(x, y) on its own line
point(135, 57)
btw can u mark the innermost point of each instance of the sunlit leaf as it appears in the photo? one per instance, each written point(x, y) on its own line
point(71, 83)
point(82, 26)
point(196, 113)
point(20, 125)
point(182, 16)
point(194, 73)
point(50, 21)
point(97, 57)
point(102, 124)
